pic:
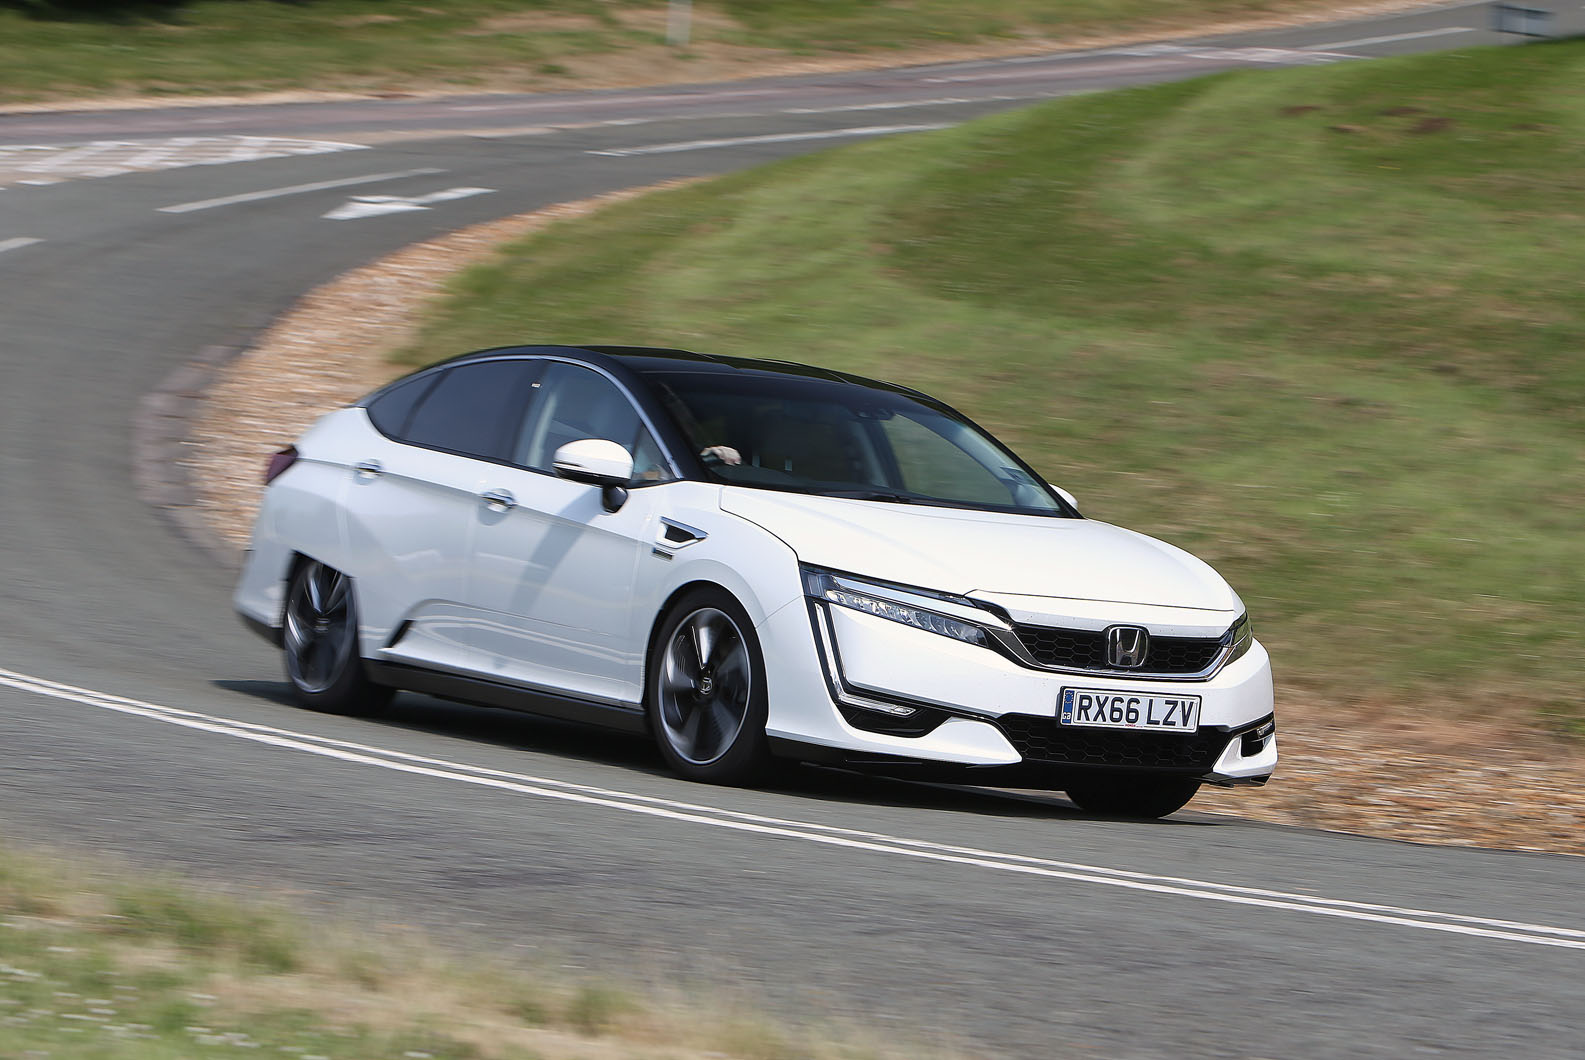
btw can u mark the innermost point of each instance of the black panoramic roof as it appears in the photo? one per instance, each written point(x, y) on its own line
point(655, 360)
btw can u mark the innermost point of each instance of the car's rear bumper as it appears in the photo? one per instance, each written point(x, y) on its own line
point(268, 631)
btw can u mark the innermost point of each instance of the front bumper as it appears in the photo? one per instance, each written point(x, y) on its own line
point(889, 695)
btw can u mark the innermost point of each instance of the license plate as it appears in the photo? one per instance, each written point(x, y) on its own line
point(1098, 708)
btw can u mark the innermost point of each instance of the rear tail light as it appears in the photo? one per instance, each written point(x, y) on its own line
point(279, 462)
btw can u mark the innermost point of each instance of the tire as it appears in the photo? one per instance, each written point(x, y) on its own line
point(319, 641)
point(706, 691)
point(1148, 797)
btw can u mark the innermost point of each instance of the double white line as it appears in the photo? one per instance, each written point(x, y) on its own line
point(803, 831)
point(768, 138)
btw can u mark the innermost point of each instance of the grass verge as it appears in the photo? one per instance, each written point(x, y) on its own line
point(1320, 326)
point(98, 962)
point(66, 49)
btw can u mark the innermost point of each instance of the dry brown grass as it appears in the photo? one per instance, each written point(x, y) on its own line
point(172, 966)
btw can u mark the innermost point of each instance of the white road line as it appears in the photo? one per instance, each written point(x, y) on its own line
point(1058, 57)
point(945, 101)
point(665, 97)
point(156, 155)
point(1164, 56)
point(1270, 56)
point(18, 243)
point(75, 154)
point(1361, 42)
point(1162, 60)
point(773, 138)
point(826, 835)
point(295, 189)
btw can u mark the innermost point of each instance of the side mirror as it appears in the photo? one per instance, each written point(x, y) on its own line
point(597, 462)
point(1065, 495)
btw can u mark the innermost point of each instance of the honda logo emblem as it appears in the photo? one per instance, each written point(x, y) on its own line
point(1127, 647)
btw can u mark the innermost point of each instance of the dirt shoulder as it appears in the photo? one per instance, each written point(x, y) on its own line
point(1366, 772)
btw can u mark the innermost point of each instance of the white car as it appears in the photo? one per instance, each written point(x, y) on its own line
point(749, 559)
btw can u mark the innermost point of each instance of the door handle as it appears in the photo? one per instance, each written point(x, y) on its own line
point(369, 469)
point(499, 500)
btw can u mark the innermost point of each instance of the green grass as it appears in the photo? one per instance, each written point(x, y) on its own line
point(246, 46)
point(1323, 327)
point(104, 961)
point(58, 49)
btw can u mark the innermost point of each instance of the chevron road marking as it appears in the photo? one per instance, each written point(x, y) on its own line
point(375, 205)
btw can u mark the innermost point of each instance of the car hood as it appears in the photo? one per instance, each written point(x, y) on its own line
point(972, 552)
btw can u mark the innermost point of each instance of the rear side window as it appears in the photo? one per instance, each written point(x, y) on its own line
point(391, 410)
point(473, 409)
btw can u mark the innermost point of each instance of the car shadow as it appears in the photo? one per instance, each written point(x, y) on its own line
point(514, 730)
point(831, 784)
point(507, 729)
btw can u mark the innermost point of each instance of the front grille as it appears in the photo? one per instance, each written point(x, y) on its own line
point(1081, 649)
point(1040, 739)
point(1085, 649)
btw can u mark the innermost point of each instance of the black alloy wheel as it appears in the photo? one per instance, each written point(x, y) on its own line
point(707, 700)
point(319, 638)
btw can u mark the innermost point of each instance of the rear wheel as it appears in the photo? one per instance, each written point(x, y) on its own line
point(319, 638)
point(707, 700)
point(1132, 796)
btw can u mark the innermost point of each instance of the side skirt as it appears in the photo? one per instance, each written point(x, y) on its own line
point(511, 697)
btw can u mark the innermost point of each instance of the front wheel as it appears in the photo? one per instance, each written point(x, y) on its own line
point(1132, 796)
point(707, 699)
point(320, 641)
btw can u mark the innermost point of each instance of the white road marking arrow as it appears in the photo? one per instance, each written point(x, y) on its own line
point(374, 205)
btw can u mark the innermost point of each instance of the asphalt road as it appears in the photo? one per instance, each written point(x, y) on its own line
point(136, 716)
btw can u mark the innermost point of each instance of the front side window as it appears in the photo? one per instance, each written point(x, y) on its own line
point(842, 439)
point(573, 403)
point(472, 408)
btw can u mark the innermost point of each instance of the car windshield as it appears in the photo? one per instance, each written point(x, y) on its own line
point(842, 439)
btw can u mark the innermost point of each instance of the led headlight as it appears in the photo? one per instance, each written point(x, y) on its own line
point(914, 608)
point(1243, 634)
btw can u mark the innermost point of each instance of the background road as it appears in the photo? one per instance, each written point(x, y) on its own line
point(1009, 920)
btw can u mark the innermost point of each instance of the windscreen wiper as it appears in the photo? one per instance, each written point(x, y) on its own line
point(871, 495)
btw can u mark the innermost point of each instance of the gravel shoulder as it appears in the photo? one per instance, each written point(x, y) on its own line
point(1363, 772)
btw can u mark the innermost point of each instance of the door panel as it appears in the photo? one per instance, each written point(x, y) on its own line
point(553, 583)
point(411, 500)
point(552, 572)
point(408, 525)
